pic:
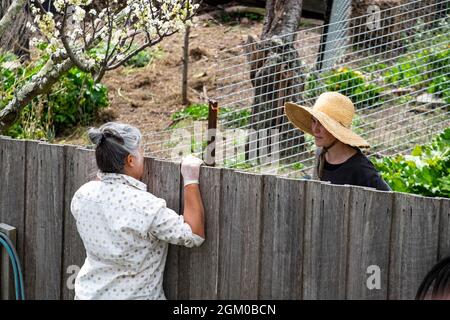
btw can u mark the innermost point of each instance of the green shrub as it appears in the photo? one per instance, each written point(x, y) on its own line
point(413, 70)
point(313, 86)
point(199, 112)
point(74, 100)
point(426, 171)
point(140, 60)
point(144, 57)
point(441, 87)
point(353, 84)
point(195, 112)
point(427, 62)
point(372, 66)
point(236, 118)
point(349, 82)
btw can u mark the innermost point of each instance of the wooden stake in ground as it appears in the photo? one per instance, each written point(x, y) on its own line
point(185, 66)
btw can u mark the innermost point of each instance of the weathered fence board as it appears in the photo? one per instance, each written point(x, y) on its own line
point(444, 239)
point(370, 229)
point(326, 234)
point(199, 267)
point(12, 187)
point(268, 208)
point(165, 183)
point(29, 260)
point(7, 285)
point(240, 225)
point(148, 174)
point(80, 164)
point(48, 235)
point(414, 243)
point(282, 239)
point(266, 237)
point(288, 234)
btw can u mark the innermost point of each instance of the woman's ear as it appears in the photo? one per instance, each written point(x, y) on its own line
point(130, 161)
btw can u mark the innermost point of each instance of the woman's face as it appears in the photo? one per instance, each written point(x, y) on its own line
point(322, 137)
point(134, 165)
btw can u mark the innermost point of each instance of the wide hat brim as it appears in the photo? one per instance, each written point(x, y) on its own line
point(301, 117)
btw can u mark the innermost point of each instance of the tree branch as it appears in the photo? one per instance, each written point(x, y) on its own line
point(60, 62)
point(136, 51)
point(39, 84)
point(69, 50)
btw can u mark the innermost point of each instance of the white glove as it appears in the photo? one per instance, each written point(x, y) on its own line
point(190, 169)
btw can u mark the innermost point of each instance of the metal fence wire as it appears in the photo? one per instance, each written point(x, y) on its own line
point(393, 62)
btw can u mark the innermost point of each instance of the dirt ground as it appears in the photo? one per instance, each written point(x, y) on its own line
point(146, 97)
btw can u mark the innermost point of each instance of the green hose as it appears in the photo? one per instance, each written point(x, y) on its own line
point(15, 262)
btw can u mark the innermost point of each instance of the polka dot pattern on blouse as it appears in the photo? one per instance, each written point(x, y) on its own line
point(126, 232)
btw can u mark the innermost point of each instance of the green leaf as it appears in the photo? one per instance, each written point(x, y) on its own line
point(417, 151)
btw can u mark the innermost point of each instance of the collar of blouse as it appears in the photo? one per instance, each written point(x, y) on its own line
point(121, 178)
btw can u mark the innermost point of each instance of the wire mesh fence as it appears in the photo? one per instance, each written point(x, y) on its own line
point(393, 62)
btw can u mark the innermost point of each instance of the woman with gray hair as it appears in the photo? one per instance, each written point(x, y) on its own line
point(125, 229)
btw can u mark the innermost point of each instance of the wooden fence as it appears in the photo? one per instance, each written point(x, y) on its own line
point(266, 237)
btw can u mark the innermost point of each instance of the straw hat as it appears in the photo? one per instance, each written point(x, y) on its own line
point(334, 111)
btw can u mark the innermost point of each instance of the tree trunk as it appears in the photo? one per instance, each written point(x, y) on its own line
point(282, 18)
point(277, 75)
point(14, 34)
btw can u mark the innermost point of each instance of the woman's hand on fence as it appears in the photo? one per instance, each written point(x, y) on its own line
point(190, 169)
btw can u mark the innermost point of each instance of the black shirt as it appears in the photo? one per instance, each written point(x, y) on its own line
point(357, 171)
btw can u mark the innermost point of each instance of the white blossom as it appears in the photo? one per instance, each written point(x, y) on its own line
point(85, 28)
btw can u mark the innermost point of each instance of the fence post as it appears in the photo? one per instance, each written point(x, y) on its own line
point(199, 267)
point(239, 236)
point(210, 159)
point(185, 65)
point(414, 243)
point(369, 243)
point(325, 240)
point(47, 233)
point(282, 231)
point(167, 186)
point(79, 169)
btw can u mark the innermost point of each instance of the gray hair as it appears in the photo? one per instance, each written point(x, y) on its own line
point(114, 142)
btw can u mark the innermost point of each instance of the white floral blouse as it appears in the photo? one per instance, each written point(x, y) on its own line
point(125, 231)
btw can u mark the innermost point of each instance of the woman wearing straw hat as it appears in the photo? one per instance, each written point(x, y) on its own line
point(340, 159)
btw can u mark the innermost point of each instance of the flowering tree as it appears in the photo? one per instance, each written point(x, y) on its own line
point(96, 38)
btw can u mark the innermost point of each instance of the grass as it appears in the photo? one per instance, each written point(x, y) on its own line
point(145, 57)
